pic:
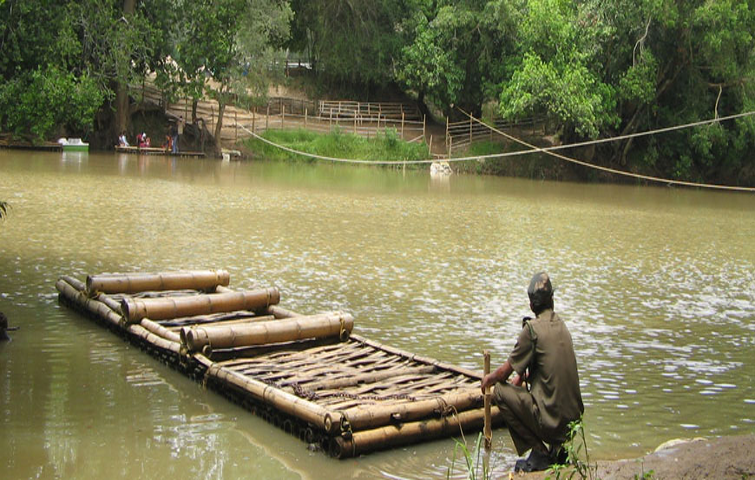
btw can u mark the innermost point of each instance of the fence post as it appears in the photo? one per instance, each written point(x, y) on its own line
point(330, 122)
point(424, 125)
point(448, 137)
point(355, 124)
point(267, 118)
point(236, 123)
point(470, 131)
point(283, 115)
point(402, 122)
point(305, 115)
point(430, 149)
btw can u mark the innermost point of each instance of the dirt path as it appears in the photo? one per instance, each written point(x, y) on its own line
point(717, 458)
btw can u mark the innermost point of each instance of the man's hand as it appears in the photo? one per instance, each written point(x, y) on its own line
point(487, 381)
point(500, 375)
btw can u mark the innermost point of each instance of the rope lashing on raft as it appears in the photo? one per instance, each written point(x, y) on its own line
point(536, 149)
point(311, 395)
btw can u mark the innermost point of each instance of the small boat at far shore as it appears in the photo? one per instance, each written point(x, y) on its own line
point(73, 145)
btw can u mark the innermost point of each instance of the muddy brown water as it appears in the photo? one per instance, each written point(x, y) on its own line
point(657, 286)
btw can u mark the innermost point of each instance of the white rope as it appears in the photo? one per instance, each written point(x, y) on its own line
point(535, 149)
point(630, 174)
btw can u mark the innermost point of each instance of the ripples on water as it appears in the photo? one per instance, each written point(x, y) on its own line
point(657, 289)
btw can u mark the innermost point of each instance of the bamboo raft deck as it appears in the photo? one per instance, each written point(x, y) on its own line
point(307, 374)
point(156, 151)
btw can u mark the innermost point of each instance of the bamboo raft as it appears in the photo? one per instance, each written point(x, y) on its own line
point(308, 374)
point(156, 151)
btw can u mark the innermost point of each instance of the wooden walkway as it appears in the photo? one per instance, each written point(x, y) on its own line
point(156, 151)
point(307, 374)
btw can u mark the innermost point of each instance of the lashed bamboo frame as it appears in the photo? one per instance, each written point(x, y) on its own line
point(358, 394)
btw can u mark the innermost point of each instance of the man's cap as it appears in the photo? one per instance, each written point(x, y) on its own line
point(540, 285)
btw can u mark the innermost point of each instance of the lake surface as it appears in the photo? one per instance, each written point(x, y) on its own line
point(657, 286)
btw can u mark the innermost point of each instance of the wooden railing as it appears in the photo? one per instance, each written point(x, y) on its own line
point(460, 135)
point(291, 113)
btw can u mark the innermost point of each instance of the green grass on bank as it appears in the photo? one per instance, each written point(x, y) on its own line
point(337, 144)
point(534, 166)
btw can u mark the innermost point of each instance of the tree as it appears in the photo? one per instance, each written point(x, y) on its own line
point(65, 60)
point(225, 48)
point(352, 44)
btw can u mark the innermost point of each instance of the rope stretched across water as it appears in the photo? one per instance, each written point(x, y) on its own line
point(535, 149)
point(548, 151)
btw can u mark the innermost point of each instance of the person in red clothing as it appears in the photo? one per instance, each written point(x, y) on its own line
point(544, 357)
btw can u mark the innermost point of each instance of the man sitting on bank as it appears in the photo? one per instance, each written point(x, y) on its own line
point(543, 357)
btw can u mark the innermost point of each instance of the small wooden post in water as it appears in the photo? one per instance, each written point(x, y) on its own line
point(488, 429)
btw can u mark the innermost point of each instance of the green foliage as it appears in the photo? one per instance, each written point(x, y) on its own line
point(350, 43)
point(37, 103)
point(571, 93)
point(337, 144)
point(576, 447)
point(473, 460)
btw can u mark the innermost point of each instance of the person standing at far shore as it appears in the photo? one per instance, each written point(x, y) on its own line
point(177, 132)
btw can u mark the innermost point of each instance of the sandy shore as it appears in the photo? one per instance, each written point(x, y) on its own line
point(702, 458)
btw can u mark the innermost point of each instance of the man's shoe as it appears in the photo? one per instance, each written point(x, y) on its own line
point(558, 454)
point(536, 462)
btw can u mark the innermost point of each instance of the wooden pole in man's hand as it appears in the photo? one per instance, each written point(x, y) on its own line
point(487, 429)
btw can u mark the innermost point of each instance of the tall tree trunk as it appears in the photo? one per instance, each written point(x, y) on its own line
point(122, 113)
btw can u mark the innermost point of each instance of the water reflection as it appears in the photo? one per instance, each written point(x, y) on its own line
point(658, 292)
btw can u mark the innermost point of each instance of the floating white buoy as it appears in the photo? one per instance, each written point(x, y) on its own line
point(440, 169)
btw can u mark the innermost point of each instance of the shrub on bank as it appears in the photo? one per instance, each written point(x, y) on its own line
point(388, 146)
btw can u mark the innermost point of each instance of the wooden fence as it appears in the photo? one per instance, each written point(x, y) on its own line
point(364, 119)
point(460, 135)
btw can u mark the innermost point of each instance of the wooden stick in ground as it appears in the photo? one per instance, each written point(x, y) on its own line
point(488, 430)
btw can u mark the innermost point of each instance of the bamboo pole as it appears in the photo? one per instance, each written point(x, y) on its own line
point(277, 331)
point(153, 339)
point(72, 290)
point(488, 430)
point(366, 417)
point(141, 282)
point(134, 309)
point(407, 433)
point(159, 330)
point(280, 312)
point(283, 401)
